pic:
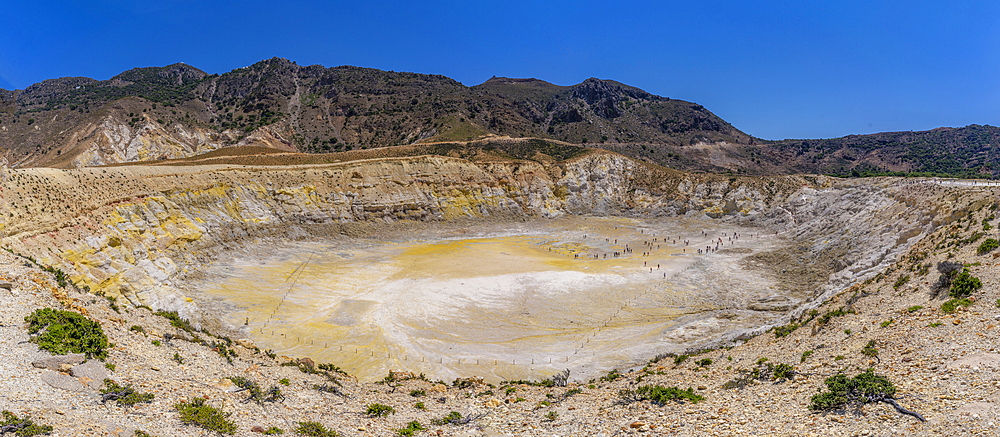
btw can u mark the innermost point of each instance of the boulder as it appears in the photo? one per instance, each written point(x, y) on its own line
point(56, 362)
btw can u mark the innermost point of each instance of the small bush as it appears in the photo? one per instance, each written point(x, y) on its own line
point(839, 357)
point(274, 430)
point(660, 395)
point(178, 359)
point(23, 427)
point(177, 322)
point(137, 328)
point(197, 412)
point(314, 429)
point(109, 366)
point(453, 418)
point(783, 331)
point(914, 309)
point(284, 381)
point(805, 355)
point(61, 332)
point(379, 410)
point(869, 349)
point(552, 416)
point(887, 323)
point(953, 304)
point(987, 245)
point(124, 396)
point(680, 359)
point(156, 342)
point(704, 362)
point(257, 394)
point(410, 429)
point(935, 324)
point(420, 406)
point(964, 285)
point(900, 282)
point(614, 375)
point(141, 433)
point(861, 389)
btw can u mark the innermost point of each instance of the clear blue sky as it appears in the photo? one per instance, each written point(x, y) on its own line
point(777, 69)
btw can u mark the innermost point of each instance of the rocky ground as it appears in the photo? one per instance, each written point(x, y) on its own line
point(944, 365)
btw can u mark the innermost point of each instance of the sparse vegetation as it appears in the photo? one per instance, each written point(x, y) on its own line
point(859, 390)
point(197, 412)
point(314, 429)
point(62, 332)
point(410, 429)
point(124, 396)
point(22, 427)
point(379, 410)
point(987, 245)
point(660, 395)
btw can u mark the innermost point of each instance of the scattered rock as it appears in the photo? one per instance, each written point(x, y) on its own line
point(246, 342)
point(976, 360)
point(55, 362)
point(62, 381)
point(92, 373)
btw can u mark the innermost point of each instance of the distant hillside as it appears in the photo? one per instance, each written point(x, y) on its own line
point(179, 111)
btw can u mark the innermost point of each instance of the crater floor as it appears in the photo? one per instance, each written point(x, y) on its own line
point(514, 301)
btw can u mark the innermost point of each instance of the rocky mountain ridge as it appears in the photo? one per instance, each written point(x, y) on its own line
point(178, 111)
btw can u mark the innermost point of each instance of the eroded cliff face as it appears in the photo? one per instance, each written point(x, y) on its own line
point(131, 231)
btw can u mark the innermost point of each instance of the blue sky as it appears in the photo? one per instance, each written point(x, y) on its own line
point(778, 69)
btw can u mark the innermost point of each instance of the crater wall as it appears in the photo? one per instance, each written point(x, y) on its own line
point(133, 231)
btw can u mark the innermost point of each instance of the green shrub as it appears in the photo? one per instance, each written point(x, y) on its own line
point(274, 430)
point(783, 331)
point(314, 429)
point(109, 366)
point(124, 396)
point(869, 349)
point(23, 427)
point(953, 304)
point(964, 285)
point(156, 342)
point(552, 416)
point(420, 406)
point(256, 393)
point(704, 362)
point(900, 281)
point(453, 418)
point(660, 395)
point(197, 412)
point(614, 375)
point(177, 322)
point(137, 328)
point(284, 381)
point(886, 323)
point(379, 410)
point(61, 332)
point(178, 358)
point(914, 309)
point(680, 359)
point(935, 324)
point(862, 389)
point(410, 429)
point(838, 357)
point(805, 355)
point(141, 433)
point(987, 245)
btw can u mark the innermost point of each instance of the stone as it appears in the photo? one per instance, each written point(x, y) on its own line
point(92, 373)
point(54, 362)
point(257, 428)
point(246, 342)
point(6, 286)
point(306, 361)
point(62, 381)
